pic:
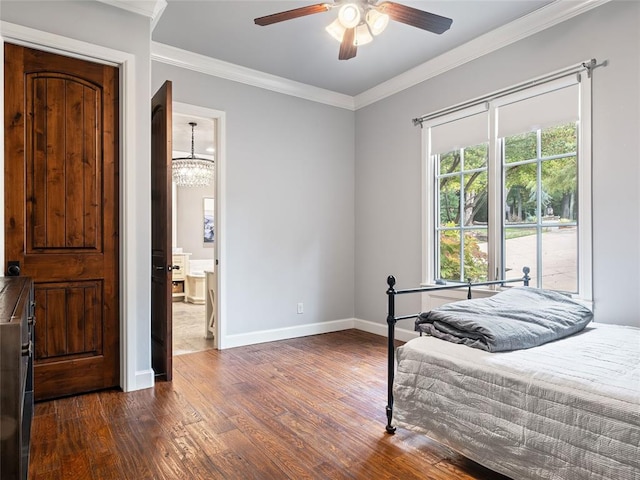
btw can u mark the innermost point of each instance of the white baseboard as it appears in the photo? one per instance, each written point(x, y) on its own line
point(403, 334)
point(144, 379)
point(263, 336)
point(274, 335)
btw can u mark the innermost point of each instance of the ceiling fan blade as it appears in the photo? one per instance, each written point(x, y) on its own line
point(347, 48)
point(291, 14)
point(416, 18)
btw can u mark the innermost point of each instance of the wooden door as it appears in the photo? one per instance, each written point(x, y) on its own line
point(61, 213)
point(161, 259)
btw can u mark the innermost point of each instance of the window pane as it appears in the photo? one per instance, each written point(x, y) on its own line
point(475, 255)
point(450, 201)
point(520, 147)
point(559, 140)
point(450, 255)
point(450, 162)
point(521, 197)
point(520, 249)
point(560, 190)
point(475, 198)
point(476, 157)
point(560, 259)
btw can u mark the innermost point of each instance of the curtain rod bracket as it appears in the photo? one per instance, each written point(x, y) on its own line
point(590, 65)
point(417, 121)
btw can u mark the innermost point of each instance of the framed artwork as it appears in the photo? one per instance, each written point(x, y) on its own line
point(209, 231)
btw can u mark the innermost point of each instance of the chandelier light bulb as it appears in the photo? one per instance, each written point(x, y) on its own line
point(377, 21)
point(336, 30)
point(362, 36)
point(349, 15)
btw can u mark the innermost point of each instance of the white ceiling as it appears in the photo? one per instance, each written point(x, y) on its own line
point(203, 135)
point(301, 49)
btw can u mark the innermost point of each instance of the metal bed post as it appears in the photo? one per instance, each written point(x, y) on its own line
point(391, 322)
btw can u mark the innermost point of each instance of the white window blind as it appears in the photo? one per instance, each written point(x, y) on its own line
point(556, 107)
point(468, 128)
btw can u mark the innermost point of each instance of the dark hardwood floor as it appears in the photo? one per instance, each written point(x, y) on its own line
point(307, 408)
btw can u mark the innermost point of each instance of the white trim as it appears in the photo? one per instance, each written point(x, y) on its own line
point(262, 336)
point(428, 220)
point(535, 22)
point(585, 195)
point(218, 68)
point(145, 379)
point(147, 8)
point(401, 334)
point(128, 294)
point(221, 212)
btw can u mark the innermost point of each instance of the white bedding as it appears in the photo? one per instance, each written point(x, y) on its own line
point(569, 409)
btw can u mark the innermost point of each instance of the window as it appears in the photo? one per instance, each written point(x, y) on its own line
point(507, 185)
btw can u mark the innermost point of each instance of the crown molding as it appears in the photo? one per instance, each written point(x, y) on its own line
point(536, 21)
point(218, 68)
point(552, 14)
point(148, 8)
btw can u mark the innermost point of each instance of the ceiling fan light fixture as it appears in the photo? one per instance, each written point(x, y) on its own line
point(336, 30)
point(349, 15)
point(362, 35)
point(377, 21)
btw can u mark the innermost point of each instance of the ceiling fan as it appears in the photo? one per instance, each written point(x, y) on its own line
point(359, 20)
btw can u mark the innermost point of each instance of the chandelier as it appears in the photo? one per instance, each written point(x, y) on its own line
point(192, 171)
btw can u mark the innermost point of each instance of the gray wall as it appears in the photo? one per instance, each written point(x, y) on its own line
point(290, 206)
point(189, 229)
point(387, 162)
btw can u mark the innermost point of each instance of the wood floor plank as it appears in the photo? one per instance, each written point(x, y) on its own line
point(305, 408)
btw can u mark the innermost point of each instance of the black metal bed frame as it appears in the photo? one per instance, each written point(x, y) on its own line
point(392, 320)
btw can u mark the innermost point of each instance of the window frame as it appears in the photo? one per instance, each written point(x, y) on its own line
point(491, 104)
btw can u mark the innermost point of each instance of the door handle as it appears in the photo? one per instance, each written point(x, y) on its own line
point(13, 269)
point(175, 267)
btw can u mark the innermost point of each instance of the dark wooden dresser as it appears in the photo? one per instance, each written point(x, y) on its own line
point(16, 375)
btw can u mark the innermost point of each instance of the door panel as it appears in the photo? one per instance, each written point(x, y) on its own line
point(61, 213)
point(161, 297)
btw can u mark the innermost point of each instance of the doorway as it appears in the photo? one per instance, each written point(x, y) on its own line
point(193, 238)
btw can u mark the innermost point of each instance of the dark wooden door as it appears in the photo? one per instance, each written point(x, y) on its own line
point(161, 259)
point(61, 213)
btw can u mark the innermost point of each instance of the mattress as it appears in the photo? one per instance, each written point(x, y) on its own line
point(569, 409)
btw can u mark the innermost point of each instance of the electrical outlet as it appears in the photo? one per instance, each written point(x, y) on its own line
point(300, 308)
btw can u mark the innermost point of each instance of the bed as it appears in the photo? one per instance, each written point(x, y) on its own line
point(566, 409)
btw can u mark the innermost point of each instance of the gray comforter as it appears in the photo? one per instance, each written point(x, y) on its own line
point(521, 317)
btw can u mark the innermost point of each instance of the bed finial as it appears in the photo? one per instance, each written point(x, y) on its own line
point(526, 277)
point(391, 281)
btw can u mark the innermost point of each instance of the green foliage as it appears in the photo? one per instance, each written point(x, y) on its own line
point(475, 260)
point(464, 170)
point(559, 176)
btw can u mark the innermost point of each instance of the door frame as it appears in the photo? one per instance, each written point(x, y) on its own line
point(133, 295)
point(220, 250)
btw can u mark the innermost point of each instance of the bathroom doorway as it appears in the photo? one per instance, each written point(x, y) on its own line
point(194, 230)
